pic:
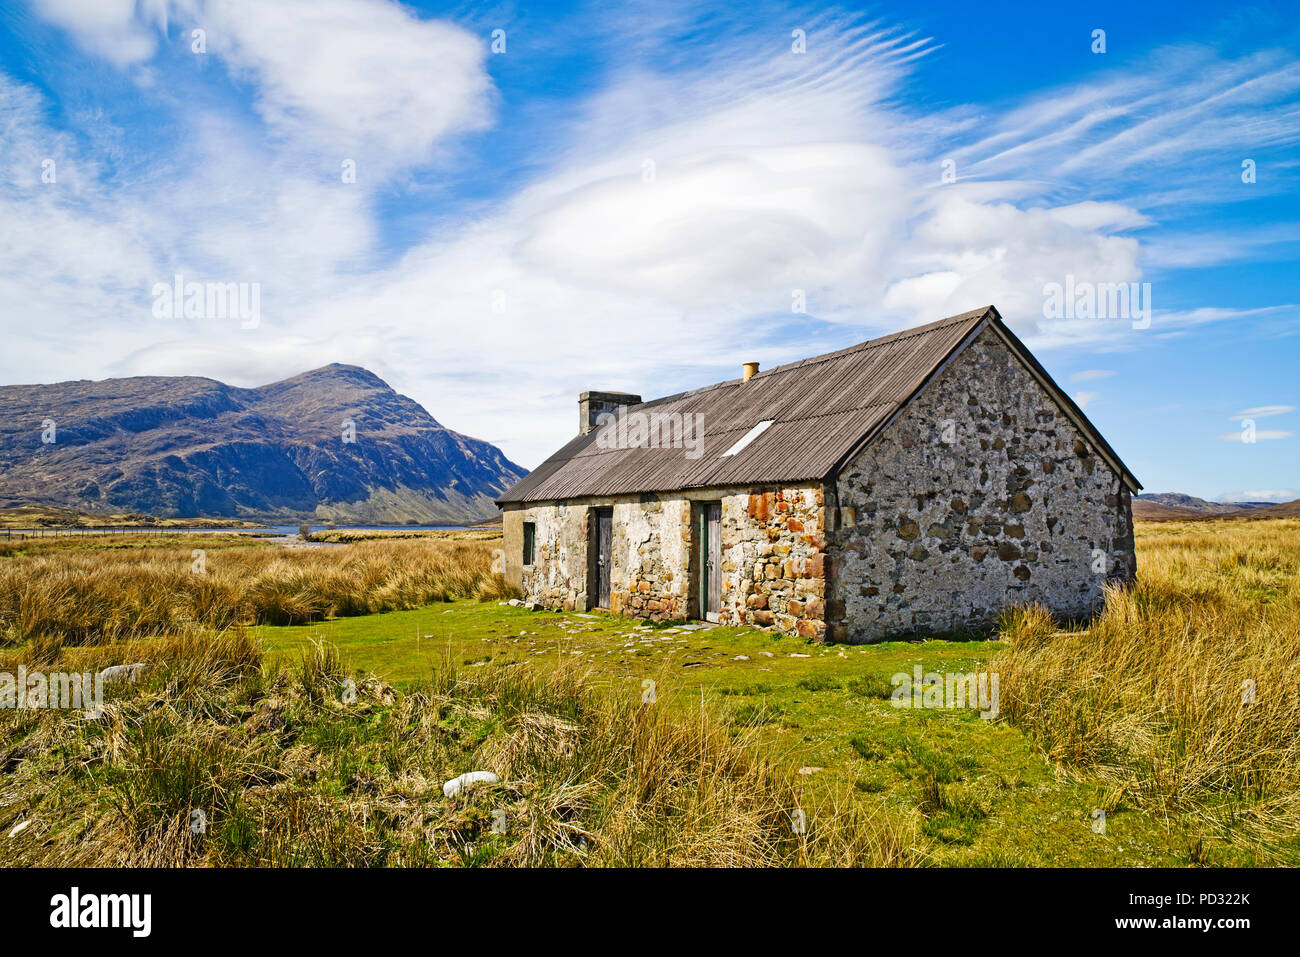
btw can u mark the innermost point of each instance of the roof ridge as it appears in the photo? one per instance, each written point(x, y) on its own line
point(835, 400)
point(924, 328)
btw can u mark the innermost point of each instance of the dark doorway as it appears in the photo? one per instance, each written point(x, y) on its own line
point(602, 542)
point(709, 560)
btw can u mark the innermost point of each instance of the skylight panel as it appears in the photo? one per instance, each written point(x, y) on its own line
point(748, 437)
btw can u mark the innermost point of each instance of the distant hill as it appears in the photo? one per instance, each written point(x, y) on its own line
point(1279, 510)
point(1175, 506)
point(1179, 500)
point(186, 446)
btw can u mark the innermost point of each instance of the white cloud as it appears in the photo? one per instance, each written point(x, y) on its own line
point(1260, 435)
point(725, 227)
point(1089, 375)
point(232, 362)
point(1261, 411)
point(352, 78)
point(1094, 215)
point(1183, 103)
point(1084, 399)
point(121, 31)
point(980, 252)
point(1261, 495)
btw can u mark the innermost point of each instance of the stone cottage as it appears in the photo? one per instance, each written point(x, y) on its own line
point(919, 482)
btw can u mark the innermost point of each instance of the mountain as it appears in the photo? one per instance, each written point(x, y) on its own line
point(1179, 500)
point(188, 446)
point(1171, 506)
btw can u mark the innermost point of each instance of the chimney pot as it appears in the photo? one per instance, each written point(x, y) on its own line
point(751, 369)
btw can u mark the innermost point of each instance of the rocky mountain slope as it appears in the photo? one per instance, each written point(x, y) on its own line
point(336, 444)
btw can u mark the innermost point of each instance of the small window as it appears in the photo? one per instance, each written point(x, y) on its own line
point(530, 540)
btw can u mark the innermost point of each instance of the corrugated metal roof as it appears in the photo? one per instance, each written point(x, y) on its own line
point(822, 409)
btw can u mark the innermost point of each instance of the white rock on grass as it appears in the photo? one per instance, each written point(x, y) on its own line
point(123, 672)
point(19, 829)
point(456, 785)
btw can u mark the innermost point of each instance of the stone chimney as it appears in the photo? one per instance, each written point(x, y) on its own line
point(592, 404)
point(750, 370)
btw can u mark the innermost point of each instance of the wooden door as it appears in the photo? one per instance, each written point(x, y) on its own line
point(602, 553)
point(712, 560)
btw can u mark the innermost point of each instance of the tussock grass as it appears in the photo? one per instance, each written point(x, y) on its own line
point(345, 535)
point(288, 770)
point(1155, 696)
point(77, 596)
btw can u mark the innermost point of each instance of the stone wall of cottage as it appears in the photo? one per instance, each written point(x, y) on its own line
point(772, 551)
point(557, 578)
point(774, 560)
point(981, 495)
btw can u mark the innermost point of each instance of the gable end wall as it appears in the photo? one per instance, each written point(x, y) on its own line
point(982, 494)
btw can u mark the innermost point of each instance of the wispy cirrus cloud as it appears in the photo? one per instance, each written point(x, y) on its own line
point(1258, 435)
point(1261, 411)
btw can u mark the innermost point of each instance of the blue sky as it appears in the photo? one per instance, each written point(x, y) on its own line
point(636, 197)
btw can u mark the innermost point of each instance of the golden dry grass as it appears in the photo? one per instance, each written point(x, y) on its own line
point(93, 595)
point(1185, 692)
point(288, 770)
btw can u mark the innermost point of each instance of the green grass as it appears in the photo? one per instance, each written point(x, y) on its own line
point(981, 791)
point(300, 763)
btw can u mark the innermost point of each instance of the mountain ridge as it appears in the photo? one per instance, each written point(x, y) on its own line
point(335, 443)
point(1173, 506)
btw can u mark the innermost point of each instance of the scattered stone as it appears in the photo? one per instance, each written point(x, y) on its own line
point(457, 784)
point(128, 673)
point(18, 829)
point(810, 770)
point(741, 658)
point(795, 654)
